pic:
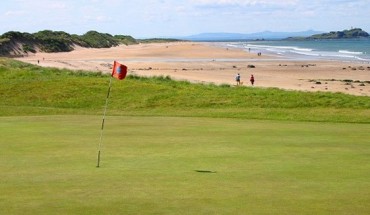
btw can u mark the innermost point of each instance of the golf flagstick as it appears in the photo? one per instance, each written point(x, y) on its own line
point(119, 72)
point(103, 121)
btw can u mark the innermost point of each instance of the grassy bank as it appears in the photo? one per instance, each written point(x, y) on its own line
point(31, 90)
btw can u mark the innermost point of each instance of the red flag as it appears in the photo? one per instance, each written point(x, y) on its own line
point(119, 70)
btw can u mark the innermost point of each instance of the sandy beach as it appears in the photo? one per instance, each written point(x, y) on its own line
point(208, 63)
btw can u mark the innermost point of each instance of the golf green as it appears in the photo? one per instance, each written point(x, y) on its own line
point(182, 165)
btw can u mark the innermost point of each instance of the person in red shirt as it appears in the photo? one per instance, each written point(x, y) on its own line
point(252, 80)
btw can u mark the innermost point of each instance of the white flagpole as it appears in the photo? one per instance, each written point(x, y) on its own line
point(102, 124)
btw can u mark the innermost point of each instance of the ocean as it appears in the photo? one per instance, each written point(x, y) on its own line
point(343, 50)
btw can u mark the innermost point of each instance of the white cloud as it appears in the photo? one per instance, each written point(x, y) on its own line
point(182, 17)
point(14, 13)
point(245, 2)
point(99, 18)
point(56, 5)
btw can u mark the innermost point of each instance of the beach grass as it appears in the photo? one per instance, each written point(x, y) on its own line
point(28, 90)
point(182, 165)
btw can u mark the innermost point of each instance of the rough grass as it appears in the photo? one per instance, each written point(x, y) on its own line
point(28, 90)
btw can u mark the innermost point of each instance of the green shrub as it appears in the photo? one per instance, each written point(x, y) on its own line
point(99, 40)
point(28, 48)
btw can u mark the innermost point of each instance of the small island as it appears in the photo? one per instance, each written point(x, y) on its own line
point(353, 33)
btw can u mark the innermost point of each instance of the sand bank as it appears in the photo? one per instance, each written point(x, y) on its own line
point(207, 63)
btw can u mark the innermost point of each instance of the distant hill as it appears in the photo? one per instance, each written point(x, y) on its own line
point(15, 43)
point(253, 36)
point(345, 34)
point(158, 40)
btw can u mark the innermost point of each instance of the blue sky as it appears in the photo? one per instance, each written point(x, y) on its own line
point(156, 18)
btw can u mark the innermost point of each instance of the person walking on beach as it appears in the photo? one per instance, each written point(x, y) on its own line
point(252, 80)
point(237, 78)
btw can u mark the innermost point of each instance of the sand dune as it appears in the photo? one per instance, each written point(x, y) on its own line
point(208, 63)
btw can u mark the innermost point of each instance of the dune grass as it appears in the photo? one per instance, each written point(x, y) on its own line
point(177, 165)
point(31, 90)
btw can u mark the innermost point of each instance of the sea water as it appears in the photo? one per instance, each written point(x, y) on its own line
point(342, 50)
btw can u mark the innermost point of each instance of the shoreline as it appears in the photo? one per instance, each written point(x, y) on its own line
point(312, 50)
point(201, 62)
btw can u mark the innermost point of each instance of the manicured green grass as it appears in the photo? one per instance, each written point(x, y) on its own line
point(149, 166)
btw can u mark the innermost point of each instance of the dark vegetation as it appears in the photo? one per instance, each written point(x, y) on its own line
point(16, 43)
point(32, 90)
point(157, 40)
point(126, 39)
point(345, 34)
